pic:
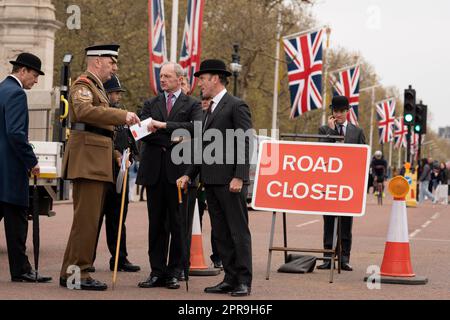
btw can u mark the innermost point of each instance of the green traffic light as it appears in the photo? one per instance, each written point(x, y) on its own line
point(417, 128)
point(409, 118)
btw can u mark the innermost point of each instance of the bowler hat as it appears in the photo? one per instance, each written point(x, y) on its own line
point(213, 66)
point(340, 102)
point(28, 60)
point(113, 85)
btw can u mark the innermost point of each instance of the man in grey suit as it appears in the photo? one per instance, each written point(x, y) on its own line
point(338, 125)
point(226, 182)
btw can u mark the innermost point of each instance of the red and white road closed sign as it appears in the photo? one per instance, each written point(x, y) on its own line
point(312, 178)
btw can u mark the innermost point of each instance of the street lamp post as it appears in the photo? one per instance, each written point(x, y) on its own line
point(235, 66)
point(372, 112)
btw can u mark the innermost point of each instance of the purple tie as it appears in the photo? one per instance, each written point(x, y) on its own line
point(169, 103)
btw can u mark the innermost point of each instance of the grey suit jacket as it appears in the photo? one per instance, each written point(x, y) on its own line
point(353, 134)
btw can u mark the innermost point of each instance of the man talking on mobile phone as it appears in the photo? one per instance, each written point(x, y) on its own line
point(338, 125)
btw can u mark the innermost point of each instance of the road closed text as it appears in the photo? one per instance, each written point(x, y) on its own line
point(317, 191)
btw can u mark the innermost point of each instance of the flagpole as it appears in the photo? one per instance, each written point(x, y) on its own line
point(344, 68)
point(390, 156)
point(294, 35)
point(372, 115)
point(276, 78)
point(372, 112)
point(324, 101)
point(174, 32)
point(399, 156)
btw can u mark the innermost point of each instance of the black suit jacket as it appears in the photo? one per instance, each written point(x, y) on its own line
point(230, 113)
point(353, 134)
point(185, 111)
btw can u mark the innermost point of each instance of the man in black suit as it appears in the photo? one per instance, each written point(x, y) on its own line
point(169, 111)
point(225, 173)
point(17, 159)
point(339, 125)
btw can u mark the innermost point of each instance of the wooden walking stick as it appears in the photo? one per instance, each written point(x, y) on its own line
point(119, 235)
point(185, 259)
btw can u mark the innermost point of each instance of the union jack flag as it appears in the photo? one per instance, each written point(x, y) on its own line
point(304, 63)
point(191, 46)
point(346, 83)
point(386, 118)
point(400, 133)
point(156, 42)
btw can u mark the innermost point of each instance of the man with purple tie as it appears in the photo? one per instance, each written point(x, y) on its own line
point(170, 110)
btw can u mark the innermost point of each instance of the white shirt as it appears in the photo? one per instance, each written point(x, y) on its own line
point(17, 79)
point(344, 127)
point(217, 99)
point(175, 96)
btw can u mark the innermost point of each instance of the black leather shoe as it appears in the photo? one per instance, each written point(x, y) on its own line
point(91, 269)
point(241, 290)
point(346, 267)
point(125, 266)
point(31, 276)
point(62, 282)
point(172, 283)
point(218, 265)
point(325, 266)
point(85, 284)
point(152, 282)
point(222, 287)
point(181, 276)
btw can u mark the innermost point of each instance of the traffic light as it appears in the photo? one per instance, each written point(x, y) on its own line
point(409, 106)
point(420, 119)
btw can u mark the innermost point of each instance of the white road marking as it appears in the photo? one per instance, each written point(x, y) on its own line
point(426, 224)
point(307, 223)
point(436, 215)
point(412, 235)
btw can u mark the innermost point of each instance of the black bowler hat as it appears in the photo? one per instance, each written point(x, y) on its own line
point(213, 66)
point(113, 85)
point(340, 102)
point(104, 50)
point(28, 60)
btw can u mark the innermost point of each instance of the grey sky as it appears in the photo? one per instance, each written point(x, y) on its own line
point(407, 41)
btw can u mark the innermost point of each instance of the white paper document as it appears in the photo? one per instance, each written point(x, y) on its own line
point(140, 132)
point(123, 167)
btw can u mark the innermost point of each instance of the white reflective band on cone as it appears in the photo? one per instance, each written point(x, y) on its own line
point(196, 230)
point(398, 226)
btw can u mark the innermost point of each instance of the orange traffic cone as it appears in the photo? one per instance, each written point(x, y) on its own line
point(397, 257)
point(198, 266)
point(396, 267)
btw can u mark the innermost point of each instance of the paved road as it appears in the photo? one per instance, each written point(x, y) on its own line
point(429, 228)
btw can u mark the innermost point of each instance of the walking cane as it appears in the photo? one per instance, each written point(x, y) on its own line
point(119, 235)
point(186, 262)
point(36, 242)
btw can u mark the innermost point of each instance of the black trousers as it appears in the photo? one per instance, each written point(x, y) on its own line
point(111, 215)
point(16, 229)
point(229, 220)
point(165, 217)
point(215, 258)
point(346, 235)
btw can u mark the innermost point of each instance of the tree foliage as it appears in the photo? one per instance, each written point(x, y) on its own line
point(250, 23)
